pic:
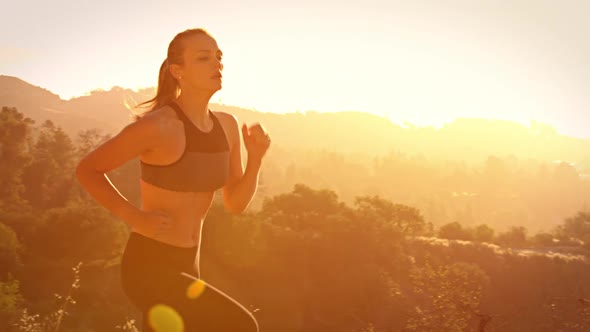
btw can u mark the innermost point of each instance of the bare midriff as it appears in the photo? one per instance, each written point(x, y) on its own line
point(187, 210)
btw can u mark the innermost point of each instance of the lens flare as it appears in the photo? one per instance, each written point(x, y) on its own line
point(163, 318)
point(195, 289)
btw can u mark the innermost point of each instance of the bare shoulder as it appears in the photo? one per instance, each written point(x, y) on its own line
point(135, 139)
point(150, 130)
point(159, 121)
point(227, 118)
point(229, 122)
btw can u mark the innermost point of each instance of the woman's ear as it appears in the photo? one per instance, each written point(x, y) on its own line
point(176, 71)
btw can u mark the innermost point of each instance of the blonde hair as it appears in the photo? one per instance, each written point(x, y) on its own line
point(168, 87)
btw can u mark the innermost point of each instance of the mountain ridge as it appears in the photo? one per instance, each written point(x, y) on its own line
point(467, 139)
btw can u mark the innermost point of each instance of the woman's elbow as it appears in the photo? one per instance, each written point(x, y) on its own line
point(84, 170)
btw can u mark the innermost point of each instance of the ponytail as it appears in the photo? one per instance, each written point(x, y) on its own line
point(167, 90)
point(168, 87)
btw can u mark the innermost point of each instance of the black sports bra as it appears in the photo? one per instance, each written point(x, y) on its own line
point(203, 166)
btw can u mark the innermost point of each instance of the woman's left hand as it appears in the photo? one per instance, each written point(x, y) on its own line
point(256, 140)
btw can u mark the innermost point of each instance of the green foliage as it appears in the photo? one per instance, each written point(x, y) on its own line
point(543, 240)
point(516, 237)
point(11, 301)
point(483, 233)
point(451, 295)
point(88, 140)
point(49, 178)
point(406, 218)
point(339, 263)
point(576, 227)
point(14, 135)
point(9, 250)
point(302, 208)
point(306, 261)
point(51, 321)
point(455, 231)
point(77, 233)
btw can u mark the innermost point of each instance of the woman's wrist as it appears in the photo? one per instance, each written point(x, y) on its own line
point(255, 162)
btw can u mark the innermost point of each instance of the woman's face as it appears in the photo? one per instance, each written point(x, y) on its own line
point(202, 64)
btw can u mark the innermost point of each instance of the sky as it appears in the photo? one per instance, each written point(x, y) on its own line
point(420, 62)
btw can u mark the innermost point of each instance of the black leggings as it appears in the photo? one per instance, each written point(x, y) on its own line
point(160, 281)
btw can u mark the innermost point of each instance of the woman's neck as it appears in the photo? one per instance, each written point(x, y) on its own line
point(196, 108)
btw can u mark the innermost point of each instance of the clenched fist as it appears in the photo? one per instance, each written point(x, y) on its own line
point(256, 140)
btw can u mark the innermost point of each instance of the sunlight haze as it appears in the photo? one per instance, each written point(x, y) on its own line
point(420, 62)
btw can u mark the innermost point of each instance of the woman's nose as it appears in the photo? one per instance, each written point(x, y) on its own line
point(218, 64)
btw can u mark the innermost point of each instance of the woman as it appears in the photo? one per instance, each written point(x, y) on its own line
point(186, 153)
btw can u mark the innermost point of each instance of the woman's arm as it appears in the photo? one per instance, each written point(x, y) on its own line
point(242, 185)
point(133, 140)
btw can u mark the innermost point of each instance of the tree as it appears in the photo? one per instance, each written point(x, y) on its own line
point(483, 233)
point(15, 131)
point(515, 237)
point(406, 218)
point(9, 250)
point(50, 176)
point(454, 231)
point(77, 233)
point(11, 302)
point(302, 208)
point(542, 240)
point(88, 140)
point(577, 227)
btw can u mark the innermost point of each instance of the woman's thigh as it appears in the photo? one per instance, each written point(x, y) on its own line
point(185, 303)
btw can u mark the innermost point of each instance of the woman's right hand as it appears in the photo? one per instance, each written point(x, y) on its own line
point(155, 223)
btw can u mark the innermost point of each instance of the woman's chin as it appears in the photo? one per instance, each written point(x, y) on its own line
point(215, 85)
point(211, 88)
